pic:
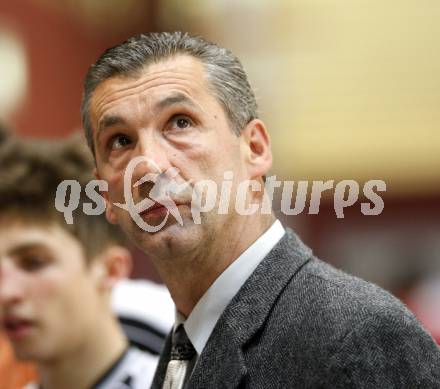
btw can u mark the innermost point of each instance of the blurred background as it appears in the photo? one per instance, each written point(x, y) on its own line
point(348, 90)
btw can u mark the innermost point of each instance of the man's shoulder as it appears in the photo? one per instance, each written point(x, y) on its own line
point(323, 286)
point(338, 330)
point(340, 299)
point(325, 279)
point(311, 292)
point(335, 311)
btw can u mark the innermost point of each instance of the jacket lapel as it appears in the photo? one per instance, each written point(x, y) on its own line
point(222, 362)
point(221, 365)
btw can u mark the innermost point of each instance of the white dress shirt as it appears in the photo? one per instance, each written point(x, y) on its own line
point(203, 318)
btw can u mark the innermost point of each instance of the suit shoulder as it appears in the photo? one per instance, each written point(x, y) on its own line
point(328, 303)
point(372, 339)
point(344, 292)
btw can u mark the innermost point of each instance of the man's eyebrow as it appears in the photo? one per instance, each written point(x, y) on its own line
point(109, 121)
point(175, 99)
point(26, 247)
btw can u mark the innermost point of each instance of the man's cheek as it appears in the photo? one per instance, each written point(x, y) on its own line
point(47, 298)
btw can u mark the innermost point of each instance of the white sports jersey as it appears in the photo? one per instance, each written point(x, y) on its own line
point(134, 370)
point(144, 301)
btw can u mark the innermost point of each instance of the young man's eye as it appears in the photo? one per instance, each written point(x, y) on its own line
point(119, 141)
point(32, 262)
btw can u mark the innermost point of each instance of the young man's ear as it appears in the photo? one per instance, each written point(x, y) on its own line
point(257, 148)
point(113, 265)
point(109, 211)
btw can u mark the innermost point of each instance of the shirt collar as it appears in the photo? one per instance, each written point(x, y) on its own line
point(203, 318)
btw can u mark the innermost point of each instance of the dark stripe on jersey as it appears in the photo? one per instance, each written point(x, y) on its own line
point(143, 335)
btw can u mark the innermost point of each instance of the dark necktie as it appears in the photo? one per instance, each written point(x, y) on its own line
point(182, 354)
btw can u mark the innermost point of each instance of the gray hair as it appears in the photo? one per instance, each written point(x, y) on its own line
point(225, 74)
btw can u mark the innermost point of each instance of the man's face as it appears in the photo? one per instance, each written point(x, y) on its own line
point(169, 116)
point(48, 298)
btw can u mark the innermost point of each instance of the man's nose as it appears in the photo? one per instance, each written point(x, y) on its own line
point(154, 157)
point(10, 285)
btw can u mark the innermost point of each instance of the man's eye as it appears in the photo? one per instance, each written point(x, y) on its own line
point(180, 122)
point(32, 262)
point(119, 141)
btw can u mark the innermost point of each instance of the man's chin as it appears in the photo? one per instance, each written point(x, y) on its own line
point(27, 353)
point(171, 240)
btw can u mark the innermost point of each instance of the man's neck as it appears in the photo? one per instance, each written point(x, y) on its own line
point(188, 284)
point(81, 368)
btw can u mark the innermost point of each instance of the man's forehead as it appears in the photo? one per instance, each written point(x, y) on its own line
point(21, 233)
point(184, 71)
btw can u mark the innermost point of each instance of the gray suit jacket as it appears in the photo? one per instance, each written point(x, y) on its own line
point(299, 323)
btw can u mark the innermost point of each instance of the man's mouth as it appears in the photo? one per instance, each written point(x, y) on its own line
point(17, 329)
point(156, 210)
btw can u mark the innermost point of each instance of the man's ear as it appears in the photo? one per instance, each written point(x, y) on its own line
point(109, 210)
point(113, 265)
point(257, 148)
